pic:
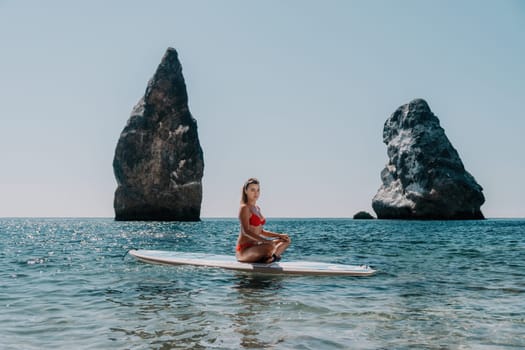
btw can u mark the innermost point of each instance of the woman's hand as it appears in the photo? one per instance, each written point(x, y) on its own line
point(284, 237)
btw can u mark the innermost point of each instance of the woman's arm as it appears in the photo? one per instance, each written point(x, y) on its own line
point(269, 233)
point(275, 235)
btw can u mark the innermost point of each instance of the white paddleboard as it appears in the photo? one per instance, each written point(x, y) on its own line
point(229, 262)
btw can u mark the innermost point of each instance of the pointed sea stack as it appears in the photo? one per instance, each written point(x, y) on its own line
point(158, 161)
point(424, 178)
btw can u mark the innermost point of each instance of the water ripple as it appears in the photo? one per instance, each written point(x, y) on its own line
point(68, 283)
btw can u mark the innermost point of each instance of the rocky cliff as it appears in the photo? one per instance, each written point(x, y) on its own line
point(424, 178)
point(158, 161)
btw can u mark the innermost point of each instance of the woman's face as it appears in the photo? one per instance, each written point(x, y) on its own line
point(252, 192)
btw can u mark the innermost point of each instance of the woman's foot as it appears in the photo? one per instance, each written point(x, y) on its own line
point(272, 259)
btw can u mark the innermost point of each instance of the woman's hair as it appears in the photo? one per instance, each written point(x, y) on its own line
point(250, 181)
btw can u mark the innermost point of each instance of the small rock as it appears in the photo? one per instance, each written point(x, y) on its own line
point(363, 215)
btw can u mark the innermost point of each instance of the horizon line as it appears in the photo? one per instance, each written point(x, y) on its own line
point(233, 217)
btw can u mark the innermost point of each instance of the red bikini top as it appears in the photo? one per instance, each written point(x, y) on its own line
point(255, 219)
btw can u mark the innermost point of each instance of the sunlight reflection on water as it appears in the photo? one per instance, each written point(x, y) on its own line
point(69, 283)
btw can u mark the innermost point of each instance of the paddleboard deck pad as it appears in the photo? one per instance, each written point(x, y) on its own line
point(229, 262)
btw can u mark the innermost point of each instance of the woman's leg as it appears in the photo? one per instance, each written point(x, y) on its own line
point(281, 246)
point(256, 253)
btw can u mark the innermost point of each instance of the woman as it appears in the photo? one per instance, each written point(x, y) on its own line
point(253, 244)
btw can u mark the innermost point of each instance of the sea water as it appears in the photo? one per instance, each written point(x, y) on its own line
point(68, 283)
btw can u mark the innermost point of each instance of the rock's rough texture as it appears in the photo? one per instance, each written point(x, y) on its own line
point(424, 178)
point(158, 161)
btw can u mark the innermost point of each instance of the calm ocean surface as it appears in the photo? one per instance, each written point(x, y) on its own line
point(68, 283)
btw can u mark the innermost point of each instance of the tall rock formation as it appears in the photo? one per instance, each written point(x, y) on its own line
point(424, 178)
point(158, 161)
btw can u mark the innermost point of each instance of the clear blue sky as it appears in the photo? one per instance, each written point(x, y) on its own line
point(292, 92)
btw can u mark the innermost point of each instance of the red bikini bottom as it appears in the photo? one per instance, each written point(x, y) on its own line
point(243, 246)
